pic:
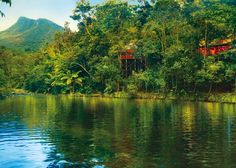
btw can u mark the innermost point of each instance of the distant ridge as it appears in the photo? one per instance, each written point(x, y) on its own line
point(29, 34)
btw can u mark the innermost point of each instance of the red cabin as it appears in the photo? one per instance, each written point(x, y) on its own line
point(127, 55)
point(130, 63)
point(221, 46)
point(214, 50)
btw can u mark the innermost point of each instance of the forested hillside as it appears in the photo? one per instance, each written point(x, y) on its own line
point(29, 34)
point(167, 34)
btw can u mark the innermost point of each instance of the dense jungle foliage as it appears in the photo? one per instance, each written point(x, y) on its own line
point(167, 33)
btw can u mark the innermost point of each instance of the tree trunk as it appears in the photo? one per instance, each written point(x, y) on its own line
point(195, 87)
point(118, 86)
point(209, 92)
point(206, 40)
point(235, 84)
point(73, 88)
point(176, 84)
point(172, 82)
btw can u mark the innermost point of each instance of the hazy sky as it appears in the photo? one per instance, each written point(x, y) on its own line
point(57, 11)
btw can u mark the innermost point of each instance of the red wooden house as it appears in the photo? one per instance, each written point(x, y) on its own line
point(130, 63)
point(219, 47)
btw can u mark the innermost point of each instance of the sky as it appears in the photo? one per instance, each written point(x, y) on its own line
point(58, 11)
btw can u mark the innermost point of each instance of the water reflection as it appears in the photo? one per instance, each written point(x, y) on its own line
point(41, 131)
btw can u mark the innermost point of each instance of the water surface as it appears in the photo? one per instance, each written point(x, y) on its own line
point(65, 131)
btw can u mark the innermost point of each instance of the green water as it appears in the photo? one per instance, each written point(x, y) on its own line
point(64, 131)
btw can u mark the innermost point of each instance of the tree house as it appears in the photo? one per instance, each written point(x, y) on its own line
point(129, 63)
point(216, 48)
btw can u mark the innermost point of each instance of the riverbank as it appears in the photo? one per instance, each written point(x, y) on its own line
point(4, 92)
point(204, 97)
point(213, 97)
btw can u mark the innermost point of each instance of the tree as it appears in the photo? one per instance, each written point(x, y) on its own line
point(211, 73)
point(3, 78)
point(7, 2)
point(229, 61)
point(71, 79)
point(107, 75)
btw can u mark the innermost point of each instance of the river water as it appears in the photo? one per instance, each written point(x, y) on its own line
point(67, 131)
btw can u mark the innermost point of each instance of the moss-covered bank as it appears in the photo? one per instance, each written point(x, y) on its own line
point(213, 97)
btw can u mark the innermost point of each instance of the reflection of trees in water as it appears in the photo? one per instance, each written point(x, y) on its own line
point(129, 133)
point(207, 140)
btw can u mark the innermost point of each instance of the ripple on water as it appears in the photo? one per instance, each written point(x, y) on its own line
point(22, 147)
point(67, 164)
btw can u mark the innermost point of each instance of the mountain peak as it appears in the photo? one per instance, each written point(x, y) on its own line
point(23, 18)
point(29, 34)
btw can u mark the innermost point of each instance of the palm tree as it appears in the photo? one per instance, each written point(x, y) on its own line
point(71, 79)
